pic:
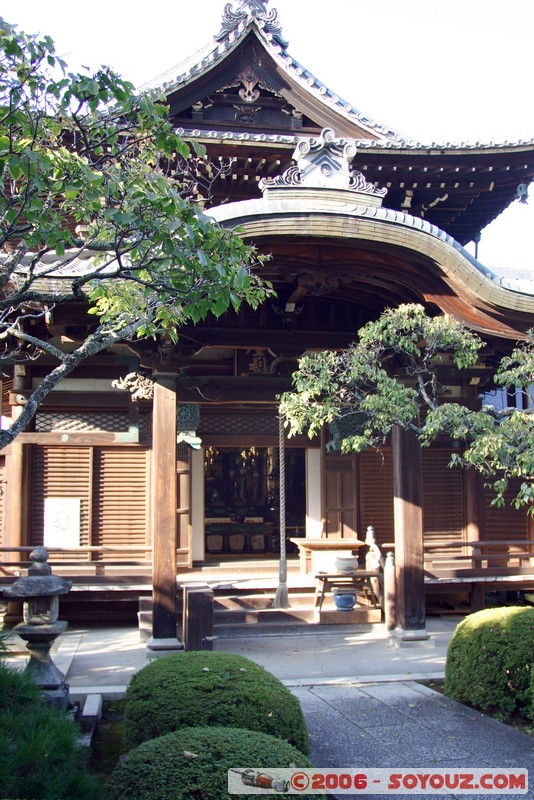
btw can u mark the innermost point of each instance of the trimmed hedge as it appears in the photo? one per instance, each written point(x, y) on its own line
point(193, 763)
point(39, 753)
point(201, 688)
point(490, 661)
point(530, 714)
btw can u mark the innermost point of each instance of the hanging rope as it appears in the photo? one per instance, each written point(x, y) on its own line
point(281, 599)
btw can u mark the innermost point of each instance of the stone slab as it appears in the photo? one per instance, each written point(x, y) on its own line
point(355, 617)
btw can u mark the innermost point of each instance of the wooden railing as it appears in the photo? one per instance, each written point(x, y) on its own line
point(79, 562)
point(488, 555)
point(477, 567)
point(443, 557)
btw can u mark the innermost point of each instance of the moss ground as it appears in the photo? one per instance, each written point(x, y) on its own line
point(107, 745)
point(515, 721)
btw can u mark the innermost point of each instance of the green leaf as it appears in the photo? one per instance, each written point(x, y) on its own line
point(14, 165)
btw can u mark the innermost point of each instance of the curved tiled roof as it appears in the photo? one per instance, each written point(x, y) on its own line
point(469, 291)
point(253, 16)
point(239, 213)
point(362, 144)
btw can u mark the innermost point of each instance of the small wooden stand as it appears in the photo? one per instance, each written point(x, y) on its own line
point(362, 581)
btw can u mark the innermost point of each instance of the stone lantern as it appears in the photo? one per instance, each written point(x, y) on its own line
point(40, 591)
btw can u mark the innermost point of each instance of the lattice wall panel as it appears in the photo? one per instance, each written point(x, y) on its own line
point(86, 422)
point(235, 425)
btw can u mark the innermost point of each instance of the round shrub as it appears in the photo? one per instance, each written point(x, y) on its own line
point(199, 688)
point(193, 764)
point(530, 712)
point(490, 660)
point(39, 753)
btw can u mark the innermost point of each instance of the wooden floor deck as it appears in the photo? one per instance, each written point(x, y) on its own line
point(458, 576)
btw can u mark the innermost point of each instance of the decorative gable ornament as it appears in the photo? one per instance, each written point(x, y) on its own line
point(139, 384)
point(323, 163)
point(249, 10)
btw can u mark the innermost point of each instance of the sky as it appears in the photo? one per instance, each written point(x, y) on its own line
point(435, 70)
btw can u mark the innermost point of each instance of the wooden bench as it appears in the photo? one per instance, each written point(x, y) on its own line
point(360, 581)
point(366, 583)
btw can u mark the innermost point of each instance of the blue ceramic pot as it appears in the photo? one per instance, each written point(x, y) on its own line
point(345, 601)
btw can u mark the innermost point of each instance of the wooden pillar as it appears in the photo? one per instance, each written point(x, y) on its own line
point(163, 509)
point(408, 515)
point(14, 500)
point(475, 506)
point(184, 545)
point(16, 505)
point(475, 527)
point(16, 495)
point(390, 609)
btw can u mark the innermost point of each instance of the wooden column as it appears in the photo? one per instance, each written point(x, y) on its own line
point(16, 507)
point(163, 508)
point(184, 545)
point(475, 527)
point(408, 514)
point(475, 506)
point(16, 496)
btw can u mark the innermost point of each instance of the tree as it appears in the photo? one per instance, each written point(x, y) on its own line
point(390, 376)
point(98, 207)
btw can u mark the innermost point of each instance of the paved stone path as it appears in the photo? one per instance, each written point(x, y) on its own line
point(407, 724)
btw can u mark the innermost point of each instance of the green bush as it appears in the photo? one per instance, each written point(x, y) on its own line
point(205, 688)
point(530, 711)
point(193, 764)
point(490, 661)
point(39, 754)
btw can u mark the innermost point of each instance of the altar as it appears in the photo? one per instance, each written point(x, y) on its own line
point(319, 555)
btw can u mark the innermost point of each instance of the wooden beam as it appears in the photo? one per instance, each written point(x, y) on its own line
point(248, 338)
point(80, 439)
point(408, 516)
point(225, 389)
point(164, 505)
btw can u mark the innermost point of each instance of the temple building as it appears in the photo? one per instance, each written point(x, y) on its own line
point(356, 218)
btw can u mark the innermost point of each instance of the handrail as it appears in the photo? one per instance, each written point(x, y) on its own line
point(481, 555)
point(10, 567)
point(429, 548)
point(479, 543)
point(128, 548)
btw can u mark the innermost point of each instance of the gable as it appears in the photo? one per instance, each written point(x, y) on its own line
point(245, 92)
point(250, 54)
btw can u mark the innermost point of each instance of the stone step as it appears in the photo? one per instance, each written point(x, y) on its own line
point(224, 620)
point(262, 616)
point(301, 612)
point(286, 623)
point(257, 601)
point(252, 567)
point(244, 604)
